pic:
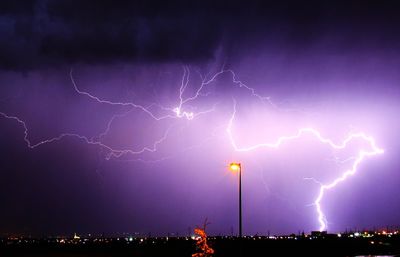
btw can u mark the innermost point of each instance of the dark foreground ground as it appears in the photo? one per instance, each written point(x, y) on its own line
point(176, 247)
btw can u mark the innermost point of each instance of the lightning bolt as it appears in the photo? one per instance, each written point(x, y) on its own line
point(112, 152)
point(375, 150)
point(183, 110)
point(176, 113)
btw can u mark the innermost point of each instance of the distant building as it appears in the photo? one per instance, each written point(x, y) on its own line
point(319, 233)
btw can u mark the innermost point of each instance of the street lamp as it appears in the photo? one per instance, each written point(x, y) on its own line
point(234, 166)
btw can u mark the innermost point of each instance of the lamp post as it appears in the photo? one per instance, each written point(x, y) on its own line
point(238, 167)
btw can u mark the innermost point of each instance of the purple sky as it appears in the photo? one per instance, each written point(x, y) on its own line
point(311, 65)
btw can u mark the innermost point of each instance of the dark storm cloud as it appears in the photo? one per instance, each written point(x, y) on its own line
point(36, 34)
point(59, 32)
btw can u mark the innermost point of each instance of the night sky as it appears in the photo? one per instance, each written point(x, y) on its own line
point(134, 110)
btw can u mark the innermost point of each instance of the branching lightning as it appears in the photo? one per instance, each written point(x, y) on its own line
point(375, 150)
point(112, 152)
point(184, 111)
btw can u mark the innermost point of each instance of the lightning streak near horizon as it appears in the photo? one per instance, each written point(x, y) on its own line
point(362, 154)
point(187, 112)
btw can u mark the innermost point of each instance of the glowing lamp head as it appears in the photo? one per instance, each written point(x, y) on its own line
point(234, 166)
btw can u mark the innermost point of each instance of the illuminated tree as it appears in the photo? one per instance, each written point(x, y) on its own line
point(202, 246)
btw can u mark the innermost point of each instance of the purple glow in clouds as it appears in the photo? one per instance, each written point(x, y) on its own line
point(123, 116)
point(188, 109)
